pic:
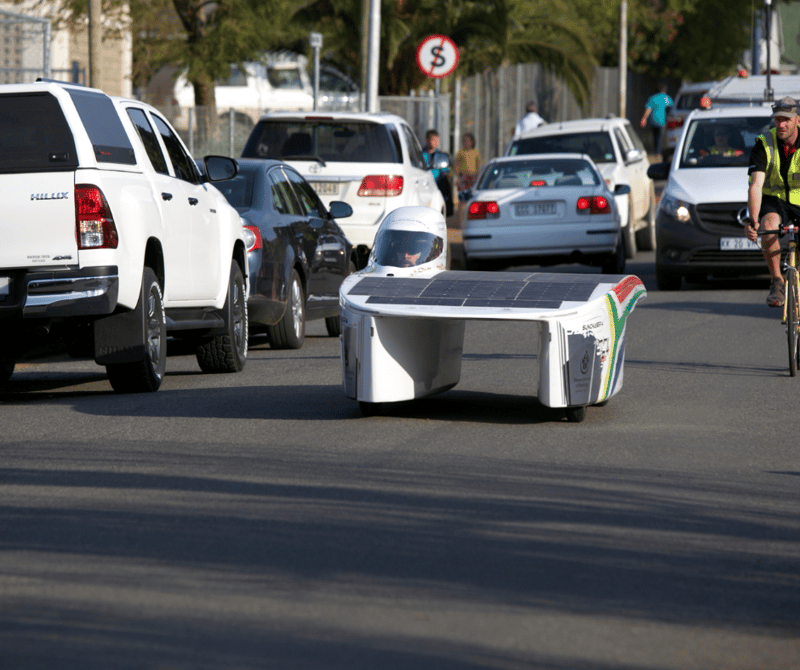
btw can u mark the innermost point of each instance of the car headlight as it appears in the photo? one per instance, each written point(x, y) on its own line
point(677, 209)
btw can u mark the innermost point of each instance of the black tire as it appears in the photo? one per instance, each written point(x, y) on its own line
point(228, 352)
point(646, 237)
point(6, 369)
point(792, 321)
point(615, 265)
point(290, 331)
point(629, 234)
point(146, 375)
point(575, 414)
point(333, 324)
point(370, 408)
point(666, 281)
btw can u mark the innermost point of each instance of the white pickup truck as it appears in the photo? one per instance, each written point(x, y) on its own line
point(112, 239)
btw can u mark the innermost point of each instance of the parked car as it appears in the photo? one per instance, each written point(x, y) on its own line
point(371, 161)
point(296, 252)
point(690, 96)
point(618, 152)
point(698, 229)
point(543, 209)
point(337, 91)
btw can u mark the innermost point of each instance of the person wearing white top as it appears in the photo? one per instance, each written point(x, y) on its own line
point(529, 121)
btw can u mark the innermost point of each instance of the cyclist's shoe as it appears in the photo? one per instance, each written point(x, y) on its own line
point(776, 291)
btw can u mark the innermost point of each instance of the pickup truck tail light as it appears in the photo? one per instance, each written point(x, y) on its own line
point(381, 185)
point(674, 123)
point(482, 209)
point(94, 225)
point(252, 238)
point(594, 205)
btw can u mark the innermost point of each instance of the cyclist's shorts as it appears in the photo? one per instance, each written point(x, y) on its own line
point(771, 203)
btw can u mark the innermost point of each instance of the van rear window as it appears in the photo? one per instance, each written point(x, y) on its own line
point(337, 141)
point(34, 135)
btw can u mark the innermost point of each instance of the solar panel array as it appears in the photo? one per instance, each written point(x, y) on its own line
point(536, 290)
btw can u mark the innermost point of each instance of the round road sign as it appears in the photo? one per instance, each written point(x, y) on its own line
point(437, 56)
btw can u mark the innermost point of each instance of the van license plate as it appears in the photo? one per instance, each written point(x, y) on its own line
point(737, 244)
point(325, 187)
point(5, 285)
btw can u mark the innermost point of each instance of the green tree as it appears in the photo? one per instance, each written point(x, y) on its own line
point(488, 34)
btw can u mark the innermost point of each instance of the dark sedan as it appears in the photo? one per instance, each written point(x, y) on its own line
point(297, 254)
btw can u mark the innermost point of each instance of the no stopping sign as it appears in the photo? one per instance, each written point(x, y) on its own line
point(437, 56)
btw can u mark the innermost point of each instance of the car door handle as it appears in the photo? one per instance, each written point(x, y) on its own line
point(166, 196)
point(193, 201)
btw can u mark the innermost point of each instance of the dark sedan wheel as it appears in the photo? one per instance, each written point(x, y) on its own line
point(290, 331)
point(228, 352)
point(333, 324)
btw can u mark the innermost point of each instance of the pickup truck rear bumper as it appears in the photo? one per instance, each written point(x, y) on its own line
point(59, 294)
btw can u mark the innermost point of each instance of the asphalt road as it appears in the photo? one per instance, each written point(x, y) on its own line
point(257, 521)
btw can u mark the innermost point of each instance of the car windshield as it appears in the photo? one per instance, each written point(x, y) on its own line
point(538, 173)
point(722, 142)
point(239, 190)
point(338, 141)
point(596, 144)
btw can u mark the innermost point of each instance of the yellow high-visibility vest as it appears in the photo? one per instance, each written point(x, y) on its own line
point(774, 183)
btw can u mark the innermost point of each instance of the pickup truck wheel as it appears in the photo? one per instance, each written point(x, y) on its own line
point(228, 352)
point(146, 375)
point(333, 324)
point(290, 331)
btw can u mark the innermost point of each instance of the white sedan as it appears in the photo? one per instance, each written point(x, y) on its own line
point(543, 209)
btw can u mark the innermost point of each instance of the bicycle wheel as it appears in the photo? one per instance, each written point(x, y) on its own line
point(792, 319)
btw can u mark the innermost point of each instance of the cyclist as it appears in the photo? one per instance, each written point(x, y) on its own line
point(775, 187)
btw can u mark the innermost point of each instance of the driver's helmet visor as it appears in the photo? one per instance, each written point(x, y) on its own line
point(406, 248)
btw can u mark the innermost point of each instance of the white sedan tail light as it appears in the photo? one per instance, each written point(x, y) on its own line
point(596, 204)
point(481, 209)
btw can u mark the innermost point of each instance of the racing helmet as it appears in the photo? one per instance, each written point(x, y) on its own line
point(412, 239)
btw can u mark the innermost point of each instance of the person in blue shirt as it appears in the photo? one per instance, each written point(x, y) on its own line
point(655, 109)
point(438, 162)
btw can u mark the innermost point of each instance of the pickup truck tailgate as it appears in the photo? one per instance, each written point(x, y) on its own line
point(37, 221)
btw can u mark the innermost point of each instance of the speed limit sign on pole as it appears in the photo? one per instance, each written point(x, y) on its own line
point(437, 56)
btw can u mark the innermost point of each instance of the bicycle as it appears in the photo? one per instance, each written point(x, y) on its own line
point(791, 279)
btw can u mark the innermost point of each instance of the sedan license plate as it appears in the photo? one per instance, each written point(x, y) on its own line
point(738, 244)
point(5, 285)
point(534, 209)
point(325, 187)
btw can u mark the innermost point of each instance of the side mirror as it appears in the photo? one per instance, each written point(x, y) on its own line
point(219, 168)
point(658, 171)
point(465, 195)
point(622, 189)
point(634, 155)
point(340, 210)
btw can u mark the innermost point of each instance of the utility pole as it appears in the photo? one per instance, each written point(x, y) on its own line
point(373, 54)
point(623, 58)
point(95, 41)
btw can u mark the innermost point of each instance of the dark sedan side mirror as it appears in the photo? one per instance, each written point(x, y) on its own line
point(658, 171)
point(340, 210)
point(219, 168)
point(622, 189)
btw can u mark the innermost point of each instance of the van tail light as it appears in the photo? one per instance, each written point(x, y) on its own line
point(674, 123)
point(483, 209)
point(94, 225)
point(252, 238)
point(593, 205)
point(381, 185)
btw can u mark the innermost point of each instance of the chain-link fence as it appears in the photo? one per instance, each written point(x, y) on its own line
point(26, 48)
point(487, 105)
